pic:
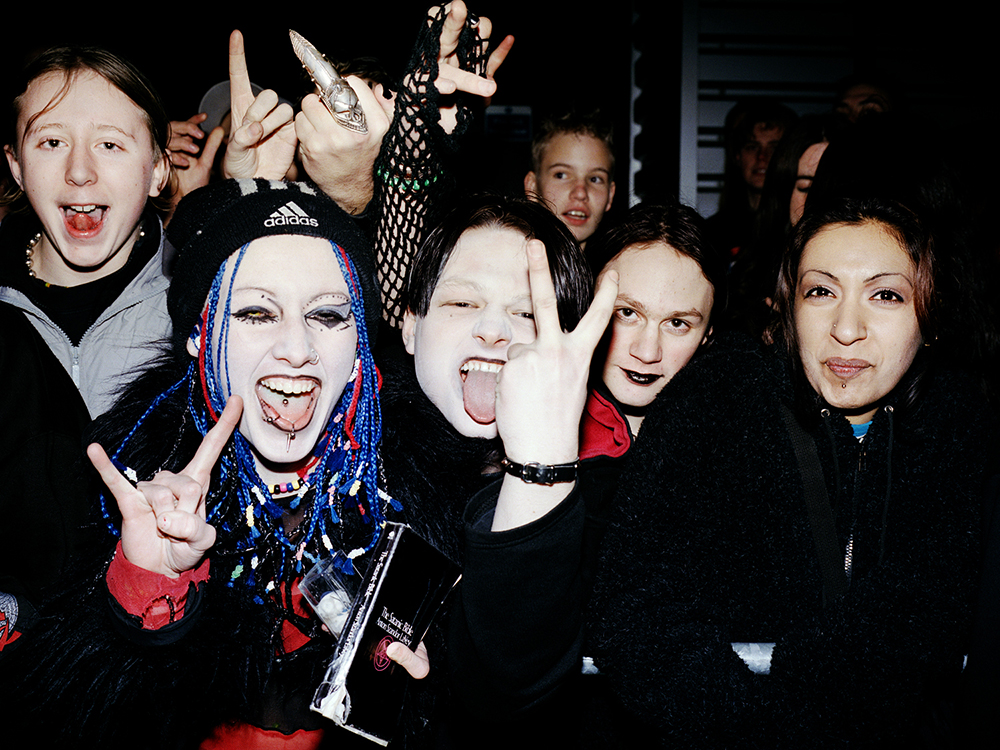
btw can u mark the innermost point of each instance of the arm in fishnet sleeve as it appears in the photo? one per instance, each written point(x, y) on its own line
point(414, 177)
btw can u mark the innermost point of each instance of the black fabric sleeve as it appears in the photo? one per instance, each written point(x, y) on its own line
point(517, 629)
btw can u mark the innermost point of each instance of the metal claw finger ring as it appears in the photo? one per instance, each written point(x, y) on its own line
point(336, 93)
point(472, 20)
point(343, 104)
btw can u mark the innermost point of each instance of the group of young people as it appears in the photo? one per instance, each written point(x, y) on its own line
point(668, 533)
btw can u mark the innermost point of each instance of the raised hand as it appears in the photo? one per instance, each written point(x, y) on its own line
point(163, 521)
point(542, 389)
point(183, 134)
point(196, 170)
point(262, 142)
point(451, 76)
point(339, 160)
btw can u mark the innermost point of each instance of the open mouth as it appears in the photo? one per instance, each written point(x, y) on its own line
point(288, 403)
point(641, 378)
point(479, 388)
point(84, 220)
point(576, 216)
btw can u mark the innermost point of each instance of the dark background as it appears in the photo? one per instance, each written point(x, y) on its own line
point(565, 52)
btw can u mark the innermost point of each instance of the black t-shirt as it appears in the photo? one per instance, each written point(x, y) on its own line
point(74, 309)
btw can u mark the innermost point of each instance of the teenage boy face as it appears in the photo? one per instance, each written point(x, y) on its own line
point(480, 306)
point(574, 178)
point(87, 163)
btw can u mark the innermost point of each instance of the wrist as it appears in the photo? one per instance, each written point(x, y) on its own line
point(533, 472)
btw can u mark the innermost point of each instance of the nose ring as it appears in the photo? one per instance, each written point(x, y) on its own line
point(314, 359)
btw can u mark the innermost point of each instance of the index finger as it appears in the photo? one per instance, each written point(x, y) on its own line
point(200, 467)
point(121, 488)
point(499, 55)
point(454, 22)
point(543, 291)
point(240, 91)
point(593, 324)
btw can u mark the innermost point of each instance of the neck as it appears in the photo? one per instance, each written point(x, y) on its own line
point(50, 265)
point(274, 473)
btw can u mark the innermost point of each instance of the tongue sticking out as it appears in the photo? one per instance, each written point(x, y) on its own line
point(82, 223)
point(289, 412)
point(480, 394)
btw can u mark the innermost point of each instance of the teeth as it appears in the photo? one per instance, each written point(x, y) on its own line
point(289, 386)
point(475, 364)
point(577, 214)
point(83, 209)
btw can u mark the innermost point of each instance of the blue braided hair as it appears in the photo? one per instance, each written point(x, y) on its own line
point(344, 479)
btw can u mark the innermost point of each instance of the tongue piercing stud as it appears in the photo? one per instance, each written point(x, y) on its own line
point(843, 385)
point(284, 401)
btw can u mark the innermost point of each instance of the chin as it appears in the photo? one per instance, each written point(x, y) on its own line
point(469, 427)
point(273, 446)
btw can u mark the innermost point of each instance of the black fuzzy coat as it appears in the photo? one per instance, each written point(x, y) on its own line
point(711, 545)
point(92, 683)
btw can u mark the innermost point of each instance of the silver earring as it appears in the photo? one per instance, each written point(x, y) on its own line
point(314, 359)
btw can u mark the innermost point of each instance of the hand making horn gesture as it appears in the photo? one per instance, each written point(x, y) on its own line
point(542, 389)
point(163, 521)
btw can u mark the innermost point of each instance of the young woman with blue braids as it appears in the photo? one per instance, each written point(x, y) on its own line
point(247, 453)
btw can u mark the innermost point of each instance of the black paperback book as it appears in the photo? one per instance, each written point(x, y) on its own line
point(406, 583)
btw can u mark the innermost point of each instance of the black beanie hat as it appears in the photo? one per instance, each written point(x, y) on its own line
point(215, 221)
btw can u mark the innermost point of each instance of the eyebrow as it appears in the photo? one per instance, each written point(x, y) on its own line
point(637, 305)
point(272, 295)
point(870, 279)
point(37, 126)
point(563, 165)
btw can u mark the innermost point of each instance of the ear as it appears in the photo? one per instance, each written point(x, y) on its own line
point(409, 331)
point(530, 184)
point(611, 196)
point(15, 168)
point(161, 173)
point(708, 335)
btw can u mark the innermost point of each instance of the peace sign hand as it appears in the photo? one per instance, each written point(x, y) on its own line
point(542, 389)
point(541, 392)
point(163, 521)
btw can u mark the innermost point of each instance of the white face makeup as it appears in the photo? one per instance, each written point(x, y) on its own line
point(855, 316)
point(87, 166)
point(575, 181)
point(808, 163)
point(480, 306)
point(292, 345)
point(660, 319)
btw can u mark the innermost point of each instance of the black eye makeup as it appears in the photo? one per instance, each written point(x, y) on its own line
point(331, 315)
point(254, 315)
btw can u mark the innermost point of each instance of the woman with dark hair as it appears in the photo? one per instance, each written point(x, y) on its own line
point(793, 561)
